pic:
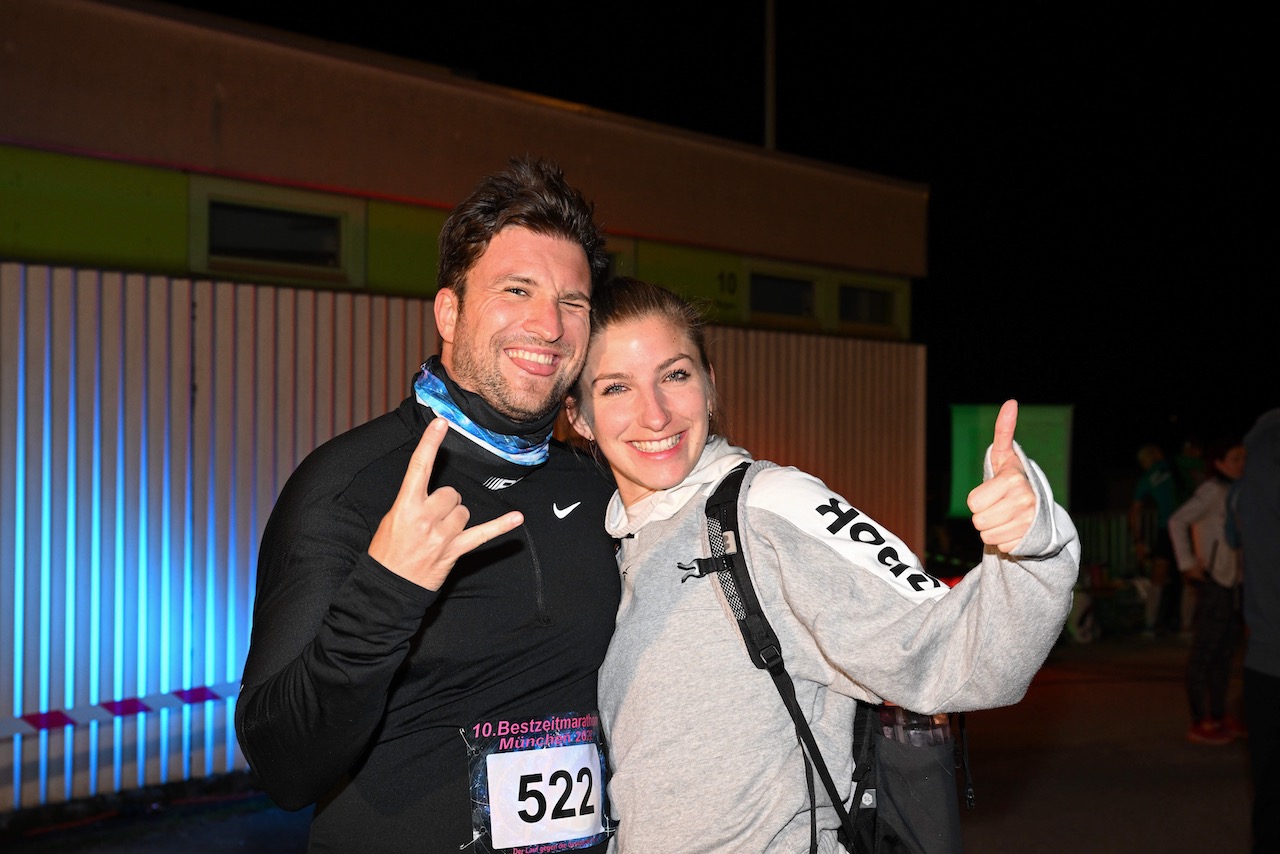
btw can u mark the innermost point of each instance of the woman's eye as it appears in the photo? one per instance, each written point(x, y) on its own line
point(678, 375)
point(616, 388)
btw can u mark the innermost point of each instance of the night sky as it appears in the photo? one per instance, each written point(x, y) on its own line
point(1096, 183)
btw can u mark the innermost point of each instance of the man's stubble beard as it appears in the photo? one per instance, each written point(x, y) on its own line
point(485, 378)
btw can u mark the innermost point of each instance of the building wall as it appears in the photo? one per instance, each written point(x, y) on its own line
point(149, 416)
point(116, 81)
point(148, 426)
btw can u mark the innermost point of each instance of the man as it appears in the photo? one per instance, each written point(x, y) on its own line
point(429, 685)
point(1257, 523)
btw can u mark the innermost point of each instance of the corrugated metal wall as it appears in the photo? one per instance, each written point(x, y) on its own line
point(146, 427)
point(849, 411)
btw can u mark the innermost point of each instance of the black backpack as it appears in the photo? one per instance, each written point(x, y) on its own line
point(904, 796)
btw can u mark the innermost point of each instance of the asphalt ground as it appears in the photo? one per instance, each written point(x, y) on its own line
point(1094, 759)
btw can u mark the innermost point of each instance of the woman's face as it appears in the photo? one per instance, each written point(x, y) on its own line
point(645, 403)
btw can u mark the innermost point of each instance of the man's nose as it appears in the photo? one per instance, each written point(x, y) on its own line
point(545, 319)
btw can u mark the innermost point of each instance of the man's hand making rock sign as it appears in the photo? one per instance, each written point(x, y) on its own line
point(424, 533)
point(1004, 506)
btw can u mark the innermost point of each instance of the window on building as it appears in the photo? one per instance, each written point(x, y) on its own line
point(781, 295)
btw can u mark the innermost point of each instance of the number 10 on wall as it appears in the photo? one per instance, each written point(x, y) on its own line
point(547, 795)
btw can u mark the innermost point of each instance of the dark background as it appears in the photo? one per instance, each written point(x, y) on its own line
point(1097, 181)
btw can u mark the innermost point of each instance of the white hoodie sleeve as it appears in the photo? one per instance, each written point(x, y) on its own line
point(850, 596)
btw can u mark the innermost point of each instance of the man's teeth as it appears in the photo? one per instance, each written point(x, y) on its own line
point(658, 444)
point(530, 356)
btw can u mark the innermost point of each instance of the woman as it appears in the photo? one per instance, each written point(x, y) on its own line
point(704, 754)
point(1211, 568)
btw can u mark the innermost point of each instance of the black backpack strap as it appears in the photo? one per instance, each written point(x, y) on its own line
point(761, 641)
point(733, 575)
point(962, 758)
point(866, 723)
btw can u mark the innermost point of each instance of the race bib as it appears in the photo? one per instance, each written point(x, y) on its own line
point(538, 784)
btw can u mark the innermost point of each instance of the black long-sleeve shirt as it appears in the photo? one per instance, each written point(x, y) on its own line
point(362, 690)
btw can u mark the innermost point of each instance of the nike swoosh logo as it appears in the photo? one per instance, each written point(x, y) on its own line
point(560, 514)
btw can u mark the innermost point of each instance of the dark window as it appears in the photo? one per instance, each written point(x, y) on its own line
point(780, 295)
point(865, 305)
point(617, 264)
point(265, 234)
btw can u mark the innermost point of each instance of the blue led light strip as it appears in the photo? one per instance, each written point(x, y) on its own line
point(20, 533)
point(72, 532)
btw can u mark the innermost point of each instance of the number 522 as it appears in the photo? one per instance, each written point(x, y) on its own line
point(531, 790)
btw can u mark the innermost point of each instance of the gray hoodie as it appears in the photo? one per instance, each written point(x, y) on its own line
point(704, 754)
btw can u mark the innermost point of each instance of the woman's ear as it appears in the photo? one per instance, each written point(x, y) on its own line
point(711, 394)
point(577, 419)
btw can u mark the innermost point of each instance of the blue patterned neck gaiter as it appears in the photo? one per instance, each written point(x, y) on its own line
point(431, 392)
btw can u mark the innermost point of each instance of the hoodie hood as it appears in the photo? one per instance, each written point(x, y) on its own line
point(718, 459)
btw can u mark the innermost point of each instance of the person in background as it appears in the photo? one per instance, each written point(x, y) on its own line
point(435, 587)
point(704, 755)
point(1156, 491)
point(1212, 568)
point(1257, 520)
point(1189, 467)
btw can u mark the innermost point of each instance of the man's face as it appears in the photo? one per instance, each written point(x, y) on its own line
point(519, 337)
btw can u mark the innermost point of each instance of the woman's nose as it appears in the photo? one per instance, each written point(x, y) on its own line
point(655, 415)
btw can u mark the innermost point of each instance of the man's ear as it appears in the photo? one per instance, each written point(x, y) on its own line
point(446, 307)
point(576, 418)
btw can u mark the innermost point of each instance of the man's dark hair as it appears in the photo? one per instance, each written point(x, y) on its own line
point(532, 194)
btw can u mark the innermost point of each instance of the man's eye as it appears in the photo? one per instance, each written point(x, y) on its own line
point(518, 291)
